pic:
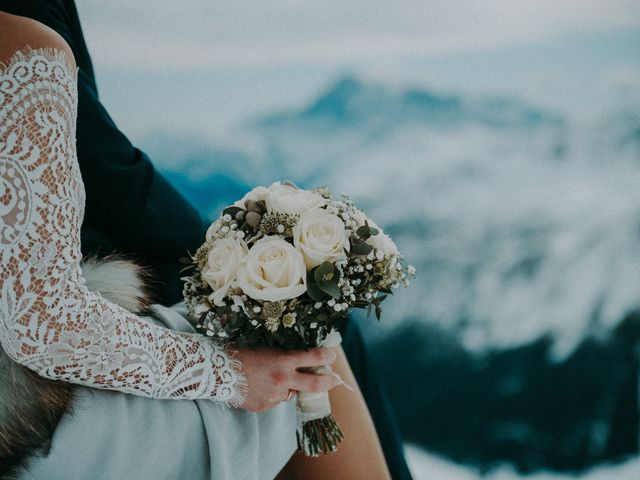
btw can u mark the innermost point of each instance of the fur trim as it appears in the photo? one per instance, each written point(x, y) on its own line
point(118, 280)
point(32, 406)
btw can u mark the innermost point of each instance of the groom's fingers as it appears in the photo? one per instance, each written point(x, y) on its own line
point(317, 357)
point(311, 382)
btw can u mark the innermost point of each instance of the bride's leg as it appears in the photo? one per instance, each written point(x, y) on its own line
point(359, 455)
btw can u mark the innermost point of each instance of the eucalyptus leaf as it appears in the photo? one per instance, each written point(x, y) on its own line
point(364, 232)
point(314, 292)
point(324, 273)
point(361, 248)
point(331, 288)
point(327, 270)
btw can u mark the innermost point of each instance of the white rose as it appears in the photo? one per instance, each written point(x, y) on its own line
point(382, 242)
point(224, 260)
point(286, 198)
point(321, 237)
point(257, 194)
point(273, 270)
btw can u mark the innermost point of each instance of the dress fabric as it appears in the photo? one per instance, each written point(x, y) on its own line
point(111, 435)
point(51, 323)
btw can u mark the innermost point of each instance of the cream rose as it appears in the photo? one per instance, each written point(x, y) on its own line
point(272, 271)
point(359, 217)
point(224, 260)
point(284, 198)
point(320, 236)
point(257, 194)
point(382, 242)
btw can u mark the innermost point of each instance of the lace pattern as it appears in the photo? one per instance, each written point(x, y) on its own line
point(49, 321)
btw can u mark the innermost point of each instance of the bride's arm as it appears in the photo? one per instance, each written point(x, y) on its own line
point(49, 321)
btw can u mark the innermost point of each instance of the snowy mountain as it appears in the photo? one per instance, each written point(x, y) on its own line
point(353, 102)
point(522, 222)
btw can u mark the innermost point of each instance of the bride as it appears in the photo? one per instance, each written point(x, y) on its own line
point(152, 398)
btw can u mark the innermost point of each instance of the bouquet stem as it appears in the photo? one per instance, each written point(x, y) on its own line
point(318, 432)
point(319, 436)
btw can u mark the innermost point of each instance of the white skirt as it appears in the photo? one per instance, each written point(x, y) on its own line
point(110, 435)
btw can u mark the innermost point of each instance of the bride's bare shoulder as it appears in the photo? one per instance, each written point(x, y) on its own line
point(21, 33)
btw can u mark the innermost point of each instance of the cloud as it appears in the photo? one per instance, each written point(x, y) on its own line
point(195, 33)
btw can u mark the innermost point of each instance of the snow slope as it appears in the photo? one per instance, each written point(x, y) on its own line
point(426, 466)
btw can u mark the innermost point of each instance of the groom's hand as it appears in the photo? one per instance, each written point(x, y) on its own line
point(271, 373)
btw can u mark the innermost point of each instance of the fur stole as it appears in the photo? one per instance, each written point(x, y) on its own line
point(31, 406)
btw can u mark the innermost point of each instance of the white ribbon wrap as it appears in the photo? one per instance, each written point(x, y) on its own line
point(312, 405)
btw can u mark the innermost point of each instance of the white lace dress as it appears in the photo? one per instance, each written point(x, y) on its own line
point(50, 322)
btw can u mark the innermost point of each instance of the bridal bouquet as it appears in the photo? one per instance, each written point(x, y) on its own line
point(279, 268)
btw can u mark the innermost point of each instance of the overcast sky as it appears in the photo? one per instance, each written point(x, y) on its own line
point(224, 62)
point(148, 33)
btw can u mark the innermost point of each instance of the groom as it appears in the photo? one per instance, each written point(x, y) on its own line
point(131, 208)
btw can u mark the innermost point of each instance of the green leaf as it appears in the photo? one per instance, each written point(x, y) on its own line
point(373, 231)
point(360, 248)
point(364, 232)
point(314, 292)
point(378, 312)
point(325, 279)
point(381, 298)
point(331, 289)
point(325, 272)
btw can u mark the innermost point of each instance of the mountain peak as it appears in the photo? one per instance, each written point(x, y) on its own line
point(335, 102)
point(352, 102)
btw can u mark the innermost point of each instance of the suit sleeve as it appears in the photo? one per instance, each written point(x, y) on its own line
point(128, 200)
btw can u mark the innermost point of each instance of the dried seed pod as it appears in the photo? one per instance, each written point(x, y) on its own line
point(252, 206)
point(253, 219)
point(240, 215)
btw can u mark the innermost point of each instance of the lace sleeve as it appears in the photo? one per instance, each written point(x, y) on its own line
point(49, 321)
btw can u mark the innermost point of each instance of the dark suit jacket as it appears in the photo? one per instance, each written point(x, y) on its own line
point(131, 208)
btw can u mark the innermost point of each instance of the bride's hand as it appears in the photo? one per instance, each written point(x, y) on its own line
point(272, 373)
